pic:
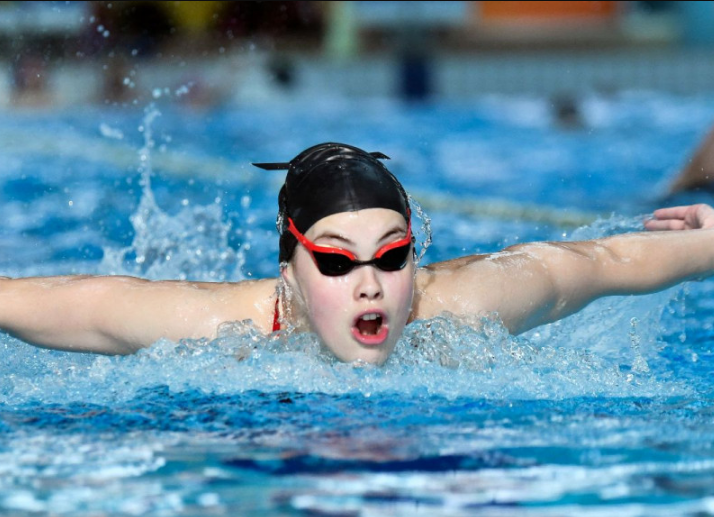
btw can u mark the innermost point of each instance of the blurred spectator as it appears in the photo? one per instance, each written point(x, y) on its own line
point(29, 81)
point(246, 19)
point(117, 86)
point(566, 112)
point(134, 28)
point(145, 28)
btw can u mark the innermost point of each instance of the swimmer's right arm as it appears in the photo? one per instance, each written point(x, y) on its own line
point(118, 315)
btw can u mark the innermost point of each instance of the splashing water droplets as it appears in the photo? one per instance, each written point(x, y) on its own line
point(280, 223)
point(639, 364)
point(164, 245)
point(425, 229)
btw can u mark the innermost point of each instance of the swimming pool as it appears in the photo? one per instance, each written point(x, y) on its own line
point(606, 412)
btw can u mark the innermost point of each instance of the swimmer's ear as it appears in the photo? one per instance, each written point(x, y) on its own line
point(287, 272)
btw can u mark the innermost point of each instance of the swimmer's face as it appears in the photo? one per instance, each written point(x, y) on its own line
point(360, 315)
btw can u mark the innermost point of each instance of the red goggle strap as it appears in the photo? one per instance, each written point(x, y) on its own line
point(396, 244)
point(312, 247)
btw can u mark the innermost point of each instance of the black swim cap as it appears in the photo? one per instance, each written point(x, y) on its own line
point(331, 178)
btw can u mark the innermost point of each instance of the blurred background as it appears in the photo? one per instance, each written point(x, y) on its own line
point(65, 53)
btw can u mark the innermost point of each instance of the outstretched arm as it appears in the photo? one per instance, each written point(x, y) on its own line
point(532, 284)
point(119, 315)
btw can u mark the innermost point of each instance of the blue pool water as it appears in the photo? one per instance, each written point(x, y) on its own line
point(608, 412)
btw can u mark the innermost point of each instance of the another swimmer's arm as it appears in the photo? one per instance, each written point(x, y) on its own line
point(698, 171)
point(110, 315)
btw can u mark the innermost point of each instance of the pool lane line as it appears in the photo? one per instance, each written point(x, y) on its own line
point(505, 210)
point(125, 156)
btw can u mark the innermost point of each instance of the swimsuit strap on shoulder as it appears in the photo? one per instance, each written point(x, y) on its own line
point(276, 316)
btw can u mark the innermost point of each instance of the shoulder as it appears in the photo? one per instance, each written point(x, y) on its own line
point(471, 284)
point(247, 288)
point(246, 300)
point(441, 286)
point(253, 292)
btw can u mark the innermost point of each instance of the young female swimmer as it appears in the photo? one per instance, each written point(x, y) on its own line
point(348, 274)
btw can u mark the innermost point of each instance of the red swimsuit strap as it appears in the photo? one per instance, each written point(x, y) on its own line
point(276, 316)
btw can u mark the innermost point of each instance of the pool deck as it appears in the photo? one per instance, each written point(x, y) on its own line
point(255, 76)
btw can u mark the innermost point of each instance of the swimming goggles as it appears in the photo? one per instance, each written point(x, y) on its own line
point(337, 261)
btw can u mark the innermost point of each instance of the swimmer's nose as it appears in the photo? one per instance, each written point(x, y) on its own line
point(368, 284)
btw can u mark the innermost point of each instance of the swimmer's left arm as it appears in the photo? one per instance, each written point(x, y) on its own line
point(578, 273)
point(532, 284)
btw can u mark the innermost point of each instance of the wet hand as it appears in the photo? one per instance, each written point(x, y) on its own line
point(689, 217)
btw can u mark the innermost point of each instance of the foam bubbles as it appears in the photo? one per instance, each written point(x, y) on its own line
point(444, 356)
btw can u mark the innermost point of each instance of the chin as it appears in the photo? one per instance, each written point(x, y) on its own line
point(375, 360)
point(373, 356)
point(350, 351)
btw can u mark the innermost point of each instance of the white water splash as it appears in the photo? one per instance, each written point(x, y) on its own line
point(424, 232)
point(444, 356)
point(192, 244)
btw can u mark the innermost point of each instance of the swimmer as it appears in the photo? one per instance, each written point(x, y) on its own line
point(698, 173)
point(348, 273)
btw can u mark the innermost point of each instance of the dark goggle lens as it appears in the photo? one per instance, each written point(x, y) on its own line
point(394, 259)
point(333, 264)
point(336, 264)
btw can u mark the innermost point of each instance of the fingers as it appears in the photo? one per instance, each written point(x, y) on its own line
point(682, 218)
point(664, 225)
point(671, 218)
point(674, 212)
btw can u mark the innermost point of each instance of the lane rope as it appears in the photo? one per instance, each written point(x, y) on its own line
point(124, 156)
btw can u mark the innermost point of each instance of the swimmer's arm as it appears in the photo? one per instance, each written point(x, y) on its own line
point(532, 284)
point(116, 315)
point(575, 274)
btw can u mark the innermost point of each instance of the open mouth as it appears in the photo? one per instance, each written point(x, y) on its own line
point(370, 328)
point(369, 324)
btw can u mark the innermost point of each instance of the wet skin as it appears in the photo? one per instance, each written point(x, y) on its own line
point(360, 315)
